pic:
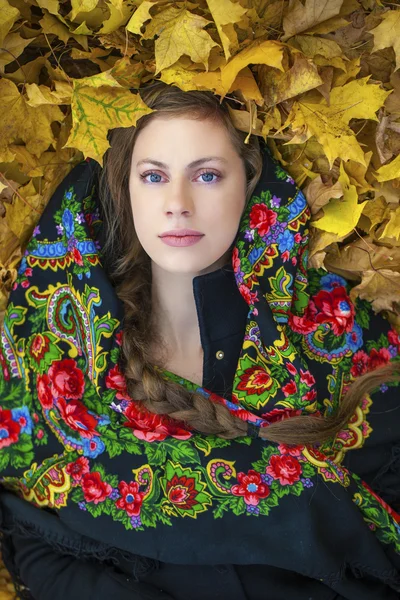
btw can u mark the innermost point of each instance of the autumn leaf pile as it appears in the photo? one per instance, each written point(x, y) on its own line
point(318, 79)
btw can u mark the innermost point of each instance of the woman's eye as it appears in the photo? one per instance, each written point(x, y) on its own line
point(150, 173)
point(208, 174)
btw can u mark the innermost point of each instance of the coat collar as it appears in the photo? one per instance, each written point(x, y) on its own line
point(221, 309)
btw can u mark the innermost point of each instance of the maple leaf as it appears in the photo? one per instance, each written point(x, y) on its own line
point(312, 115)
point(225, 13)
point(301, 17)
point(20, 121)
point(341, 216)
point(180, 32)
point(381, 288)
point(389, 171)
point(98, 108)
point(259, 52)
point(388, 33)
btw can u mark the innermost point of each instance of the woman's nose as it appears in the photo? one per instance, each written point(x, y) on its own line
point(178, 199)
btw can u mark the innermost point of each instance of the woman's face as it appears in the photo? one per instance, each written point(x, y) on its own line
point(208, 197)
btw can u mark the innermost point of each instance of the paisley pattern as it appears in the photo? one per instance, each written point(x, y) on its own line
point(71, 439)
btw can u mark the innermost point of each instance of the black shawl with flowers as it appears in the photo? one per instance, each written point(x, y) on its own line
point(73, 442)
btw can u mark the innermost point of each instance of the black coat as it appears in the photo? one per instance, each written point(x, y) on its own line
point(55, 562)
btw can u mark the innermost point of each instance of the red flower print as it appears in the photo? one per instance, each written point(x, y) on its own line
point(9, 429)
point(94, 489)
point(39, 347)
point(115, 380)
point(25, 283)
point(118, 337)
point(309, 396)
point(43, 385)
point(285, 255)
point(377, 358)
point(285, 468)
point(77, 256)
point(289, 388)
point(297, 238)
point(235, 260)
point(78, 468)
point(250, 297)
point(306, 377)
point(279, 414)
point(292, 450)
point(182, 491)
point(131, 500)
point(261, 218)
point(251, 487)
point(393, 338)
point(255, 380)
point(151, 427)
point(67, 380)
point(306, 323)
point(360, 362)
point(76, 416)
point(291, 368)
point(336, 309)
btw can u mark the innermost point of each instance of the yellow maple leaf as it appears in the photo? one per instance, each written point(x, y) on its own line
point(53, 25)
point(24, 212)
point(41, 94)
point(388, 33)
point(117, 18)
point(140, 16)
point(8, 16)
point(225, 13)
point(312, 115)
point(260, 52)
point(301, 17)
point(381, 288)
point(389, 171)
point(341, 216)
point(392, 227)
point(179, 32)
point(12, 47)
point(98, 108)
point(277, 86)
point(20, 121)
point(81, 6)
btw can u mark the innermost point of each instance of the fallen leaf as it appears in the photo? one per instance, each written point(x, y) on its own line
point(387, 33)
point(341, 216)
point(381, 288)
point(301, 17)
point(96, 110)
point(225, 13)
point(329, 124)
point(20, 121)
point(318, 194)
point(259, 52)
point(179, 32)
point(278, 86)
point(390, 171)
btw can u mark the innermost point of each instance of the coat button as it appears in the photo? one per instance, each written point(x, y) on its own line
point(220, 354)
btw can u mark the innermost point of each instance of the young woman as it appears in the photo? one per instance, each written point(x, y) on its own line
point(187, 410)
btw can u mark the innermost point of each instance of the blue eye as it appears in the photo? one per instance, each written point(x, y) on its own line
point(208, 173)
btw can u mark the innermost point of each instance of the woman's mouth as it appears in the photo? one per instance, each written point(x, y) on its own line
point(184, 240)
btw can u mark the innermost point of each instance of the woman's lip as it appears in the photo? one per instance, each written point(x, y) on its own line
point(183, 240)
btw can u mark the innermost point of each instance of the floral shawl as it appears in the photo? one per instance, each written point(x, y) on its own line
point(72, 440)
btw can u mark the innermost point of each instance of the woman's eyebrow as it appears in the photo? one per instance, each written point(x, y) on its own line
point(194, 163)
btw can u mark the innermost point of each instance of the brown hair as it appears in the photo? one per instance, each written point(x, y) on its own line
point(130, 270)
